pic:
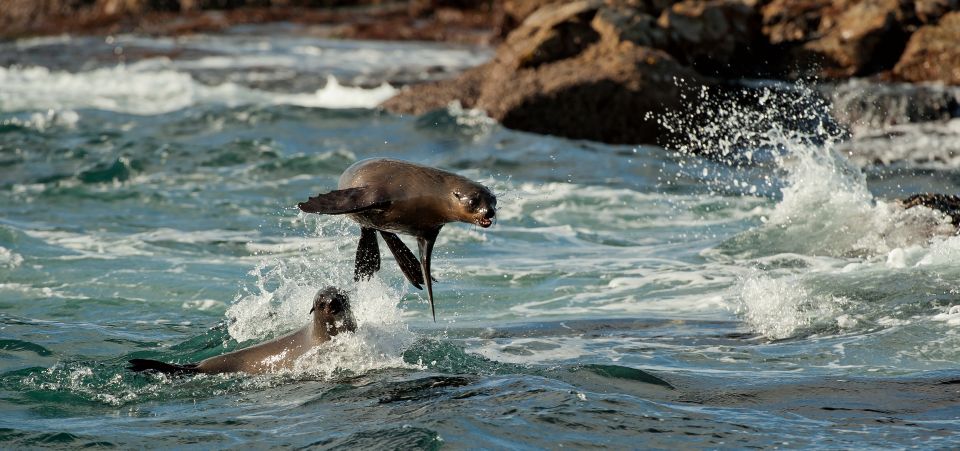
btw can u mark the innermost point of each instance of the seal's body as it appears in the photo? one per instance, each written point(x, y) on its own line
point(393, 196)
point(331, 315)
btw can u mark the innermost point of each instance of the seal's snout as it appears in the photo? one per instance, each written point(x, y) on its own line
point(331, 301)
point(487, 210)
point(486, 217)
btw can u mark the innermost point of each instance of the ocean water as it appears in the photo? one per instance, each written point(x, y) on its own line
point(756, 286)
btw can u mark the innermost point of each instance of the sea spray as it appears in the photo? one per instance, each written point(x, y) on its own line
point(781, 308)
point(824, 208)
point(282, 295)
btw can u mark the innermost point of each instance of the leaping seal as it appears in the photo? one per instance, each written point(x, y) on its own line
point(331, 316)
point(393, 196)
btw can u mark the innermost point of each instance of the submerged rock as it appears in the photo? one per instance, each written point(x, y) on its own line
point(945, 203)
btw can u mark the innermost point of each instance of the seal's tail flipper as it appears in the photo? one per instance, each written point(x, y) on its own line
point(405, 258)
point(425, 243)
point(368, 255)
point(140, 365)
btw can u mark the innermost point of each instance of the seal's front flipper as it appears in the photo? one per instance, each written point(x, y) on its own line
point(425, 243)
point(141, 365)
point(368, 255)
point(405, 258)
point(341, 201)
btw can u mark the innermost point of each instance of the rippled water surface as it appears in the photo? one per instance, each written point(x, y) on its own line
point(771, 295)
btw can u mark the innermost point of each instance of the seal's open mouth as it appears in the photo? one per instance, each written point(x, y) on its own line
point(484, 222)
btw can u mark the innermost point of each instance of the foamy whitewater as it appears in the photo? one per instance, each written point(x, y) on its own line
point(755, 284)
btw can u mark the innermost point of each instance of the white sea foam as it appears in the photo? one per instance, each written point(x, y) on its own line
point(826, 222)
point(620, 208)
point(203, 305)
point(778, 308)
point(828, 209)
point(104, 245)
point(9, 259)
point(282, 296)
point(154, 87)
point(531, 350)
point(922, 145)
point(305, 54)
point(379, 341)
point(45, 120)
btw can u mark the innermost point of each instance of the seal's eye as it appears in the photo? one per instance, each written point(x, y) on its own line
point(466, 199)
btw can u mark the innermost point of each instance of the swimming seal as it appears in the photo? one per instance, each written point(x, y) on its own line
point(331, 315)
point(392, 196)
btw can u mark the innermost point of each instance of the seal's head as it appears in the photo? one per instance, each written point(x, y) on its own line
point(331, 307)
point(475, 204)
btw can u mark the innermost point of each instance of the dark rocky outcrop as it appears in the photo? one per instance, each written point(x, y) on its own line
point(594, 69)
point(575, 70)
point(715, 37)
point(590, 69)
point(945, 203)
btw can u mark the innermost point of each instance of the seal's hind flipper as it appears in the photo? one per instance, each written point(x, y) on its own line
point(341, 201)
point(425, 244)
point(368, 255)
point(405, 258)
point(141, 365)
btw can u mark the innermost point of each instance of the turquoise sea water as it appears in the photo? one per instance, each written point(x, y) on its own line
point(627, 297)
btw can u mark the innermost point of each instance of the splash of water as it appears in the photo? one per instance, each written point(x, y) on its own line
point(282, 297)
point(825, 208)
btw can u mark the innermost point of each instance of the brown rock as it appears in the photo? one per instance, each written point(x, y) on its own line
point(930, 11)
point(609, 102)
point(864, 38)
point(710, 35)
point(552, 33)
point(933, 53)
point(787, 21)
point(621, 23)
point(565, 72)
point(514, 12)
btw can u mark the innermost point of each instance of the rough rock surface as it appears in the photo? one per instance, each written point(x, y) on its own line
point(792, 21)
point(933, 53)
point(594, 69)
point(711, 35)
point(930, 11)
point(945, 203)
point(863, 38)
point(537, 81)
